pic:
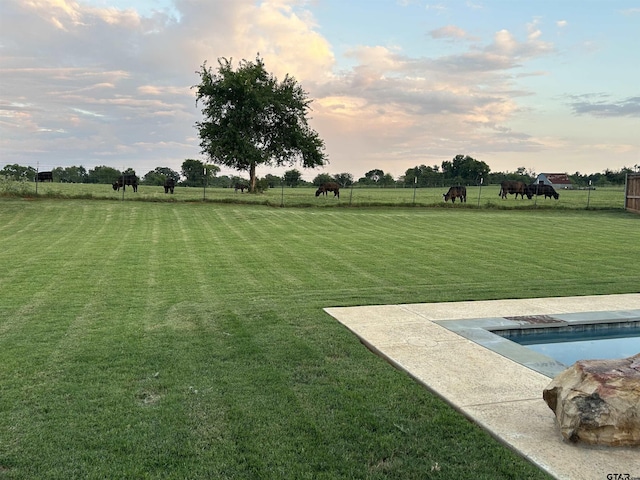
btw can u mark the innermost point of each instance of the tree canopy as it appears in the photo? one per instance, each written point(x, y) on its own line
point(464, 169)
point(103, 174)
point(18, 172)
point(322, 178)
point(292, 178)
point(251, 119)
point(196, 173)
point(159, 175)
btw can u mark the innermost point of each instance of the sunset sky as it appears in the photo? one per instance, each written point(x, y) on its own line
point(551, 86)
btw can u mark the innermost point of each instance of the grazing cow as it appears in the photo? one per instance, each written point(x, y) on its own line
point(511, 187)
point(542, 189)
point(44, 177)
point(169, 184)
point(329, 187)
point(456, 192)
point(124, 180)
point(241, 186)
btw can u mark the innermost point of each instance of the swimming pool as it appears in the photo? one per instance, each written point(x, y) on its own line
point(580, 342)
point(550, 343)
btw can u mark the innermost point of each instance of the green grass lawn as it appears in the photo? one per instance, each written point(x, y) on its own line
point(187, 339)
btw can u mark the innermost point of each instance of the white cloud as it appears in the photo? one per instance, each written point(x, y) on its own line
point(90, 84)
point(437, 7)
point(451, 31)
point(631, 11)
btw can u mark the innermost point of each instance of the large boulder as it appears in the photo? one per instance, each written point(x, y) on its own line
point(598, 401)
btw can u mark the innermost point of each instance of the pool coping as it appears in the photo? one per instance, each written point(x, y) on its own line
point(482, 331)
point(499, 394)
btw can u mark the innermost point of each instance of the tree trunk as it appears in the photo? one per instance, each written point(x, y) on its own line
point(252, 177)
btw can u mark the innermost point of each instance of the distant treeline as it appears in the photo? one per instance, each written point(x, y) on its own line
point(461, 170)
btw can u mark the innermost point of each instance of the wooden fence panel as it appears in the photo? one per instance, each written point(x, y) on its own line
point(632, 194)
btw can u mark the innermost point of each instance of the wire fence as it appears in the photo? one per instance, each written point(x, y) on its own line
point(483, 196)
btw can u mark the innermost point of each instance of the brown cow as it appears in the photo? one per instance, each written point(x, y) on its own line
point(511, 187)
point(329, 187)
point(456, 192)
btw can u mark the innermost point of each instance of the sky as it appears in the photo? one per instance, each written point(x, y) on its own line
point(551, 86)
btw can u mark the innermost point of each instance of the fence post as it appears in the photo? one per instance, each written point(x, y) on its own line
point(415, 185)
point(204, 184)
point(282, 192)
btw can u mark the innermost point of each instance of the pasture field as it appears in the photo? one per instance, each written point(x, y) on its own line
point(486, 196)
point(187, 339)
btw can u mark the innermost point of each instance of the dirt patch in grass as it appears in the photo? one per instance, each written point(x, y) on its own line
point(147, 398)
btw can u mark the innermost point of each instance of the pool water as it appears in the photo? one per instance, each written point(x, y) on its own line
point(567, 345)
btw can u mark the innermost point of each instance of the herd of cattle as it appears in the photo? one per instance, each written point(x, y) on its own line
point(131, 180)
point(121, 182)
point(522, 189)
point(507, 188)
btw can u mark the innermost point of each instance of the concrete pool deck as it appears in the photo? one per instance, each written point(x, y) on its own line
point(499, 394)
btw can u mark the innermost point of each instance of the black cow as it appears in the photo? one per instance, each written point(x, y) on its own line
point(169, 185)
point(511, 187)
point(241, 186)
point(44, 177)
point(124, 180)
point(329, 187)
point(542, 189)
point(456, 192)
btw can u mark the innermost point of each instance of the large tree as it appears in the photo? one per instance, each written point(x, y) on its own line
point(374, 176)
point(323, 178)
point(465, 169)
point(18, 172)
point(159, 175)
point(70, 174)
point(251, 119)
point(197, 173)
point(344, 179)
point(292, 178)
point(423, 176)
point(103, 174)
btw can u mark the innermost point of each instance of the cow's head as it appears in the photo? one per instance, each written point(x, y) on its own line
point(115, 185)
point(529, 191)
point(318, 192)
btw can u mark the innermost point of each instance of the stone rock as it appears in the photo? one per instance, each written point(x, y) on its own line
point(598, 401)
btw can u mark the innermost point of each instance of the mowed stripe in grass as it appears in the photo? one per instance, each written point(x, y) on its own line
point(188, 340)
